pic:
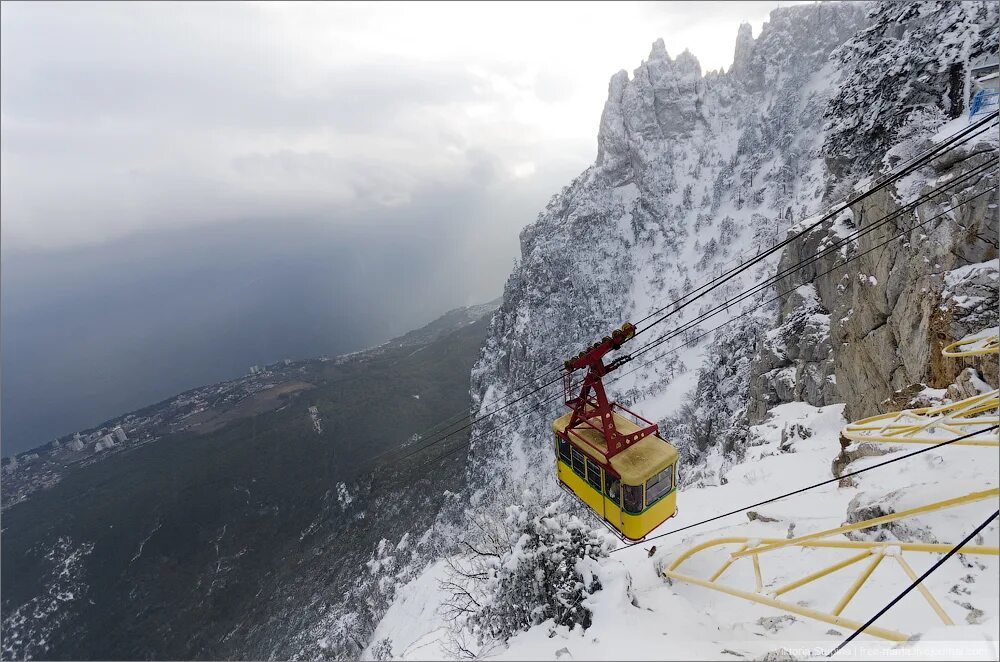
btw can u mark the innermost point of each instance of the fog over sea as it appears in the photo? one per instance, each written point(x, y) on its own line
point(93, 332)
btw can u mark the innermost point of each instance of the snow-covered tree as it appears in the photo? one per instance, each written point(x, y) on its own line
point(913, 56)
point(529, 566)
point(713, 414)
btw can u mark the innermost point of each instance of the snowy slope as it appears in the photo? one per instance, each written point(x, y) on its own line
point(639, 615)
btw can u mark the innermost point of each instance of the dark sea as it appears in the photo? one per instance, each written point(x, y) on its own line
point(95, 332)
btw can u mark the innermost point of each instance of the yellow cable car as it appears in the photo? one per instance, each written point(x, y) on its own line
point(611, 458)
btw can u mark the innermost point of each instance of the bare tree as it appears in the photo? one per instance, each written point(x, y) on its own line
point(517, 569)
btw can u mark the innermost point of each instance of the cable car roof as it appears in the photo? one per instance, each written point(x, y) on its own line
point(636, 464)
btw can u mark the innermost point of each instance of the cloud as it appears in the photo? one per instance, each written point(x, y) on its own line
point(153, 114)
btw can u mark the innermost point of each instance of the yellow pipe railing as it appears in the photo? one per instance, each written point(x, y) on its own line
point(811, 577)
point(705, 545)
point(933, 548)
point(726, 564)
point(930, 548)
point(940, 505)
point(858, 583)
point(891, 635)
point(876, 551)
point(935, 605)
point(956, 418)
point(758, 582)
point(991, 345)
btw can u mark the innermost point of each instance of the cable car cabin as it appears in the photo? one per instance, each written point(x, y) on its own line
point(635, 491)
point(617, 465)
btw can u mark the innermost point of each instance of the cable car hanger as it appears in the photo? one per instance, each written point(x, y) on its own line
point(586, 408)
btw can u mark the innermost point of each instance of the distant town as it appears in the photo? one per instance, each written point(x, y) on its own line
point(203, 407)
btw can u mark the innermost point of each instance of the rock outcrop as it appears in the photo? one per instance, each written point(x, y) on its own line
point(693, 173)
point(894, 308)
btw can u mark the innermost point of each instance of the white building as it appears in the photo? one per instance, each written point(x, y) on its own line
point(119, 434)
point(105, 442)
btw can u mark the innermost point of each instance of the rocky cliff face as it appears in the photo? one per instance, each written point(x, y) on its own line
point(693, 173)
point(900, 302)
point(698, 172)
point(892, 323)
point(895, 306)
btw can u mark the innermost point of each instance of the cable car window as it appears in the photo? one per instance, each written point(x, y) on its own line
point(563, 450)
point(632, 498)
point(612, 487)
point(578, 463)
point(659, 485)
point(594, 474)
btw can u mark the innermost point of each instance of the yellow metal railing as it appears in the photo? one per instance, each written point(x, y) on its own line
point(885, 519)
point(873, 552)
point(970, 418)
point(985, 342)
point(932, 425)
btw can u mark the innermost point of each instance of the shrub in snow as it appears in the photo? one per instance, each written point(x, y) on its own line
point(382, 650)
point(529, 566)
point(714, 413)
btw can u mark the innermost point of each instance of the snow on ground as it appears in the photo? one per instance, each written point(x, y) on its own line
point(666, 402)
point(949, 129)
point(985, 270)
point(639, 615)
point(413, 623)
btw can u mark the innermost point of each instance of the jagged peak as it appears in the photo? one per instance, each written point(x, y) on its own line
point(659, 51)
point(687, 62)
point(611, 137)
point(744, 48)
point(663, 97)
point(619, 79)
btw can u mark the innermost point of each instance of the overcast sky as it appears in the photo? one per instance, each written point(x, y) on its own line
point(122, 116)
point(188, 189)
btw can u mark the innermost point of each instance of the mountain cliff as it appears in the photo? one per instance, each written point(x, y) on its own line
point(696, 173)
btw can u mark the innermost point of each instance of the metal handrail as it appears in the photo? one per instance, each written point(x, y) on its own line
point(873, 552)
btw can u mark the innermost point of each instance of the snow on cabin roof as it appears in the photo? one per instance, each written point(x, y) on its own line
point(637, 463)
